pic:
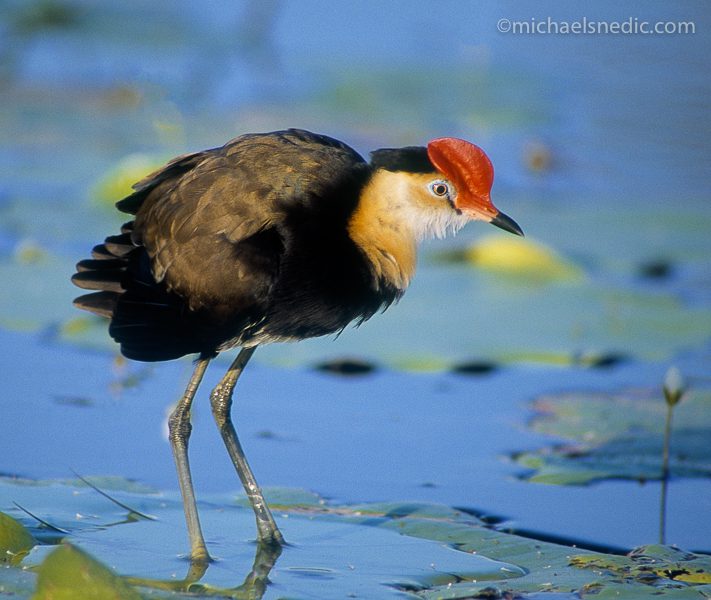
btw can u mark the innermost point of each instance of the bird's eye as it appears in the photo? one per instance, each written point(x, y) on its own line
point(439, 188)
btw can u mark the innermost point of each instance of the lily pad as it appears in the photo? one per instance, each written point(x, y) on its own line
point(654, 561)
point(15, 540)
point(69, 573)
point(119, 181)
point(618, 436)
point(518, 257)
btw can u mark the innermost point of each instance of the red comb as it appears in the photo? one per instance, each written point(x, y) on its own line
point(465, 164)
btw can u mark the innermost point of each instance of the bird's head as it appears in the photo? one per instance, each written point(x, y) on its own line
point(416, 193)
point(467, 179)
point(441, 187)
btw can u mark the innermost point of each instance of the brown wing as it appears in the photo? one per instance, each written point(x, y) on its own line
point(213, 235)
point(196, 267)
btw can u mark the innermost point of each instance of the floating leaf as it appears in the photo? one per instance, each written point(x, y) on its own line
point(618, 436)
point(647, 563)
point(521, 257)
point(15, 540)
point(118, 182)
point(69, 573)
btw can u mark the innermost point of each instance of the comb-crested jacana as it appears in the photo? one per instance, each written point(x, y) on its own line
point(272, 237)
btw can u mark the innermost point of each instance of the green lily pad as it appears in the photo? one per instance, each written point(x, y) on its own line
point(69, 573)
point(618, 436)
point(15, 540)
point(534, 567)
point(650, 562)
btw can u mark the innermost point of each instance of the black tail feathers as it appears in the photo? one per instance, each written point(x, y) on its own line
point(147, 320)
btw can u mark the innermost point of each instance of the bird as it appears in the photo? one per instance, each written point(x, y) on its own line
point(272, 237)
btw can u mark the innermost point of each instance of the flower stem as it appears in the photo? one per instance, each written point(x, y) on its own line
point(665, 474)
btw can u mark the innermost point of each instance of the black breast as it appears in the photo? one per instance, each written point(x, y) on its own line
point(324, 281)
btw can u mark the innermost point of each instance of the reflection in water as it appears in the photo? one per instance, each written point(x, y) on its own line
point(252, 588)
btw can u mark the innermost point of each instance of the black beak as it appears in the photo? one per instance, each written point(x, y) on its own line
point(507, 224)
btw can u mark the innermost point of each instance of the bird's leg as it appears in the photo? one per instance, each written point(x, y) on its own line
point(221, 401)
point(179, 429)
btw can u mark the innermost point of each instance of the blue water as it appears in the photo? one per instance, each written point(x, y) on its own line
point(625, 120)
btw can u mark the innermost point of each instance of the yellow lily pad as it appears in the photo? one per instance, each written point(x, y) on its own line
point(118, 182)
point(523, 258)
